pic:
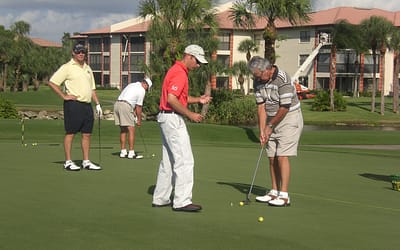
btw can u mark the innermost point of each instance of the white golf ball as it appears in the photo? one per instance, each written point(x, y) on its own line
point(153, 155)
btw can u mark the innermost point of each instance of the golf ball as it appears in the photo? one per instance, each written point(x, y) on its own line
point(260, 219)
point(231, 204)
point(153, 155)
point(25, 144)
point(34, 144)
point(241, 203)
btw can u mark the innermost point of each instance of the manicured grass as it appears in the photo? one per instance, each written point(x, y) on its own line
point(358, 109)
point(341, 198)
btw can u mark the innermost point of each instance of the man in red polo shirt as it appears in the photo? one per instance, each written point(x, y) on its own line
point(176, 167)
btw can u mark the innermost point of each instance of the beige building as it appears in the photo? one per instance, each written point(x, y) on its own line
point(115, 53)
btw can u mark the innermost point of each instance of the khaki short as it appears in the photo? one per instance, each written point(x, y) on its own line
point(285, 137)
point(123, 114)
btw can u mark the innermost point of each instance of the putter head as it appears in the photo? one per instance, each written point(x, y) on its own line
point(247, 201)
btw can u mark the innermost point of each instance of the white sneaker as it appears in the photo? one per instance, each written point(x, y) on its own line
point(272, 194)
point(90, 166)
point(71, 166)
point(280, 202)
point(123, 154)
point(132, 155)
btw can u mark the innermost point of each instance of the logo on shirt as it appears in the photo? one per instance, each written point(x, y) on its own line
point(174, 87)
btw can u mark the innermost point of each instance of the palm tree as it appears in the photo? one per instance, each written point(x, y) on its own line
point(240, 70)
point(175, 24)
point(294, 11)
point(23, 44)
point(375, 32)
point(6, 43)
point(247, 46)
point(344, 35)
point(395, 45)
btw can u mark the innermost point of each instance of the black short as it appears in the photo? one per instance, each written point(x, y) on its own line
point(78, 117)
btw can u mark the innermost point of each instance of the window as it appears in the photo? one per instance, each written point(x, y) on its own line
point(222, 82)
point(224, 59)
point(137, 44)
point(369, 64)
point(106, 65)
point(95, 44)
point(302, 59)
point(224, 41)
point(257, 39)
point(107, 44)
point(106, 80)
point(305, 36)
point(97, 78)
point(95, 61)
point(136, 62)
point(125, 65)
point(135, 77)
point(323, 62)
point(124, 81)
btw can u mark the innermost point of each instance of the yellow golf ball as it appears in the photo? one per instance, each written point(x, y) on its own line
point(260, 219)
point(241, 203)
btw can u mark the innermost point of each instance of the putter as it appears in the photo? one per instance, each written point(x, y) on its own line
point(144, 144)
point(99, 141)
point(247, 201)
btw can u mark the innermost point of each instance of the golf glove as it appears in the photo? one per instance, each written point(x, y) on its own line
point(99, 110)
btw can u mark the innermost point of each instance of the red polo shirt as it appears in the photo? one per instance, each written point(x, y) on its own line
point(175, 82)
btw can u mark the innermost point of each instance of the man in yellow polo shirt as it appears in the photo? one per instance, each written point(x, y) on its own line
point(80, 86)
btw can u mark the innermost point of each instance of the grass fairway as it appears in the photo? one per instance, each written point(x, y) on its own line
point(341, 197)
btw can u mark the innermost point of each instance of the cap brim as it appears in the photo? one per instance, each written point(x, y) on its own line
point(201, 59)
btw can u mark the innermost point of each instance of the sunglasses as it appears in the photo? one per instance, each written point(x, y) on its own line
point(80, 52)
point(197, 61)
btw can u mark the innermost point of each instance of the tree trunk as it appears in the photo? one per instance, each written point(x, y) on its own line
point(332, 78)
point(269, 39)
point(5, 77)
point(241, 82)
point(373, 81)
point(382, 80)
point(396, 65)
point(207, 91)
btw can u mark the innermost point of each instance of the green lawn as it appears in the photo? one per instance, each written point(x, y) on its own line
point(358, 109)
point(341, 198)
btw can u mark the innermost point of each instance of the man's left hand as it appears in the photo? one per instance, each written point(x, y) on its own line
point(99, 111)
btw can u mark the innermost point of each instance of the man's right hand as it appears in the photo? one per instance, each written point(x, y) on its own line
point(195, 117)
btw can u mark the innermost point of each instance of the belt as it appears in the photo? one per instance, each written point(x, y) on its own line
point(123, 101)
point(169, 112)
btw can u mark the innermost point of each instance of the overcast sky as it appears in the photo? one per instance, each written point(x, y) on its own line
point(49, 19)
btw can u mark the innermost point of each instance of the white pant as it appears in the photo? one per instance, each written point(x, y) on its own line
point(176, 167)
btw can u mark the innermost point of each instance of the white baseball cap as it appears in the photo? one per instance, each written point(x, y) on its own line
point(196, 51)
point(149, 82)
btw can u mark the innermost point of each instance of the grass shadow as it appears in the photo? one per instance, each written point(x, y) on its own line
point(377, 177)
point(244, 188)
point(250, 134)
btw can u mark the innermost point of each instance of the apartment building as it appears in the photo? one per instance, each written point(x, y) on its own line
point(117, 52)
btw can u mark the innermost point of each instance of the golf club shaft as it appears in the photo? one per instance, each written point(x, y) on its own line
point(22, 131)
point(144, 144)
point(255, 172)
point(99, 141)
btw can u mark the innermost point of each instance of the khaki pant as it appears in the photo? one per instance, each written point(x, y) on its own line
point(285, 137)
point(176, 167)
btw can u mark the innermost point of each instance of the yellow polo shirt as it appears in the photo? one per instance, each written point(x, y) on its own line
point(79, 81)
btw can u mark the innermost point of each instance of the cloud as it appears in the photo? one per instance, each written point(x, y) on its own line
point(390, 5)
